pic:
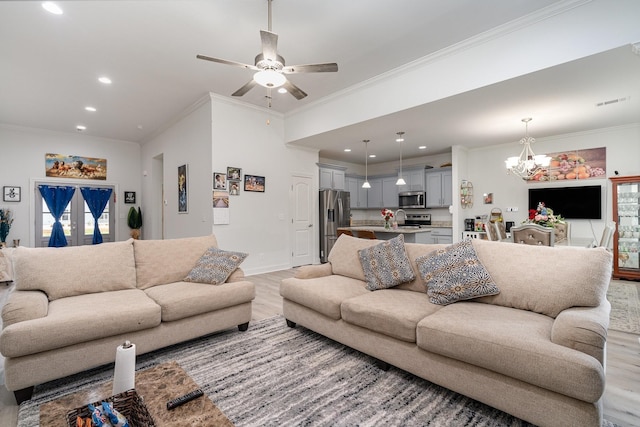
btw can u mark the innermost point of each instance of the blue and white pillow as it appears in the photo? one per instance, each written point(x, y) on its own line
point(386, 264)
point(215, 266)
point(455, 274)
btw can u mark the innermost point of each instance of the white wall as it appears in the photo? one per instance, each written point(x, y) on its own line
point(260, 223)
point(187, 140)
point(486, 169)
point(23, 160)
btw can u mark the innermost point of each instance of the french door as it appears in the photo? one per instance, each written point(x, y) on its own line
point(77, 220)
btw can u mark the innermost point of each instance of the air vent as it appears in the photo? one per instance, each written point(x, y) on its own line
point(612, 101)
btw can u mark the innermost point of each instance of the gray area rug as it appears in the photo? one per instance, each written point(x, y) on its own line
point(624, 297)
point(273, 375)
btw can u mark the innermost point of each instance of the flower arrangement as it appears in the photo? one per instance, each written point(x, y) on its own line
point(386, 215)
point(6, 219)
point(544, 216)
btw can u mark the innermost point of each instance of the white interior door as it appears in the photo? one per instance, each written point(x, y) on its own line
point(302, 215)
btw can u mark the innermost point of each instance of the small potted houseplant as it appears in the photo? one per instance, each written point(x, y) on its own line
point(134, 221)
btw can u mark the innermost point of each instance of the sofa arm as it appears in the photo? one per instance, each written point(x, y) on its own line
point(236, 276)
point(311, 271)
point(583, 329)
point(24, 305)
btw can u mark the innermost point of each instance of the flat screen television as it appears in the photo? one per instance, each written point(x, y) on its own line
point(582, 202)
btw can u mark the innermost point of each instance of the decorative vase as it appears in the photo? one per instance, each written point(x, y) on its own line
point(3, 244)
point(387, 224)
point(135, 233)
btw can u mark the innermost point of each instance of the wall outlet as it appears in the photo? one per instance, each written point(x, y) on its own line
point(512, 209)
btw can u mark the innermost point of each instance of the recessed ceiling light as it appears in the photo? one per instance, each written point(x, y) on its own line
point(372, 155)
point(347, 150)
point(105, 80)
point(90, 108)
point(282, 90)
point(51, 7)
point(81, 128)
point(422, 147)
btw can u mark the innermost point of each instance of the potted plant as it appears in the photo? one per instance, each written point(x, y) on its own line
point(134, 221)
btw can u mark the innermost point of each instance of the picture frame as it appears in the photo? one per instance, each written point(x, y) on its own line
point(183, 189)
point(130, 197)
point(254, 183)
point(234, 174)
point(219, 181)
point(234, 187)
point(11, 194)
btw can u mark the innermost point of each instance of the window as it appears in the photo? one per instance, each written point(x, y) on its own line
point(77, 220)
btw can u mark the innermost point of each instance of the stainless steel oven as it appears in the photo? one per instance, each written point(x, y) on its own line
point(411, 199)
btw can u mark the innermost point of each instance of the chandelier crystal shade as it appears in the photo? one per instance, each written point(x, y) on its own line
point(527, 164)
point(366, 164)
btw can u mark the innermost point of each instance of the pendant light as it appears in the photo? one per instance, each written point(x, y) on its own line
point(366, 164)
point(400, 139)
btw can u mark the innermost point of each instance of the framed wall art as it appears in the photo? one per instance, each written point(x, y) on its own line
point(234, 188)
point(254, 183)
point(183, 189)
point(76, 167)
point(130, 197)
point(234, 173)
point(10, 194)
point(219, 181)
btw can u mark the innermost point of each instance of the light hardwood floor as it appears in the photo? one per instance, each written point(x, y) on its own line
point(621, 398)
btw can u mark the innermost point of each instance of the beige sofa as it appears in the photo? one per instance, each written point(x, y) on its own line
point(73, 306)
point(535, 350)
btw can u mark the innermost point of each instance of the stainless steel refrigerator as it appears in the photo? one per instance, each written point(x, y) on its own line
point(335, 211)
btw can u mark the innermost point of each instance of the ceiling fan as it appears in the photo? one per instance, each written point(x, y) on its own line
point(270, 67)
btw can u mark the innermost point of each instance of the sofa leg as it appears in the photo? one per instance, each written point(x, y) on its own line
point(243, 327)
point(290, 323)
point(384, 366)
point(23, 394)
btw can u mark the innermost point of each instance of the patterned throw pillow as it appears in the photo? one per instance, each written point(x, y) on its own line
point(386, 264)
point(215, 266)
point(455, 274)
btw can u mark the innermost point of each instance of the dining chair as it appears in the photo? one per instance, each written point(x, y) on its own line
point(607, 234)
point(501, 229)
point(562, 231)
point(347, 232)
point(366, 234)
point(533, 234)
point(492, 232)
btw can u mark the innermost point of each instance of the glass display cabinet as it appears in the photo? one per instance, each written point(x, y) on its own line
point(626, 238)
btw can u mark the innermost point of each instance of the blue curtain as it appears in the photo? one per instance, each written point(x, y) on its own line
point(57, 198)
point(97, 199)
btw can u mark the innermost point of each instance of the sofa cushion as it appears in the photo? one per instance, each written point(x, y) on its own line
point(344, 257)
point(386, 264)
point(80, 318)
point(516, 343)
point(455, 273)
point(185, 299)
point(159, 262)
point(322, 294)
point(543, 279)
point(391, 312)
point(215, 266)
point(75, 270)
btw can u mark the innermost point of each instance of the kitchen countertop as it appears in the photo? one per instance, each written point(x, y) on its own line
point(381, 229)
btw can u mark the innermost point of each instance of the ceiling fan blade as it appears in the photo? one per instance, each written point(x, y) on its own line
point(269, 45)
point(330, 67)
point(294, 90)
point(244, 89)
point(227, 62)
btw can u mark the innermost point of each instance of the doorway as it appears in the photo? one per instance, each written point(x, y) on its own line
point(302, 215)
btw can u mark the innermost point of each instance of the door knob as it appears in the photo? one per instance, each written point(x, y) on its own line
point(310, 225)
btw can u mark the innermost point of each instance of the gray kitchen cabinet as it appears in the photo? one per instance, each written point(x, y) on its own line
point(439, 188)
point(414, 178)
point(358, 194)
point(389, 193)
point(441, 236)
point(332, 177)
point(374, 194)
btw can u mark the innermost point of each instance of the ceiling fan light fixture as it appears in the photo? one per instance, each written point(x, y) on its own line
point(269, 78)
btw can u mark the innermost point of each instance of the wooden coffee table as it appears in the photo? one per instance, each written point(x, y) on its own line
point(156, 385)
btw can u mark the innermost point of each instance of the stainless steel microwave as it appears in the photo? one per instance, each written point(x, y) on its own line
point(412, 200)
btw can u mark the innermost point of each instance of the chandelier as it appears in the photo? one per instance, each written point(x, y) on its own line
point(528, 163)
